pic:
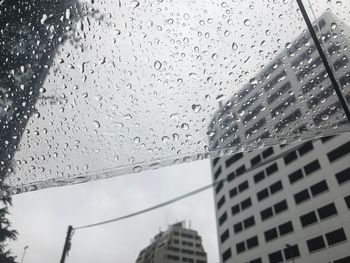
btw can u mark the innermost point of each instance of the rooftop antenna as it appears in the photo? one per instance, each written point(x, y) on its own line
point(189, 224)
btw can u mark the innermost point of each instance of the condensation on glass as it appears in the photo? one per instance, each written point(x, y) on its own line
point(93, 89)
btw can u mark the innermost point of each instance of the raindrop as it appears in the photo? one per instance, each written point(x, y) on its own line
point(157, 65)
point(170, 21)
point(247, 22)
point(165, 139)
point(234, 46)
point(185, 126)
point(333, 26)
point(176, 136)
point(196, 107)
point(137, 169)
point(96, 124)
point(214, 56)
point(134, 4)
point(137, 140)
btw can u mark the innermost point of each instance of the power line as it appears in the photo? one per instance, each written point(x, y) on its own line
point(194, 192)
point(153, 207)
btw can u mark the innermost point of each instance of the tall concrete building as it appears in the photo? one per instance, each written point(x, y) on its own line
point(286, 203)
point(175, 245)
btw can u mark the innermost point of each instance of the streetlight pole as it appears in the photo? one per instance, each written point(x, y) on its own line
point(67, 244)
point(24, 252)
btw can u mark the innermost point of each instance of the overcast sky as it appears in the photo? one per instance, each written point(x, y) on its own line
point(42, 217)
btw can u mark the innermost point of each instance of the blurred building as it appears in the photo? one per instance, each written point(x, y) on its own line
point(286, 203)
point(175, 245)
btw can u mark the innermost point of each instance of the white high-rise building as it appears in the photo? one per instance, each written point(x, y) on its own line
point(176, 245)
point(286, 203)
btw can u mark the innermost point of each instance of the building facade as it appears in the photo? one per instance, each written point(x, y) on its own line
point(288, 202)
point(175, 245)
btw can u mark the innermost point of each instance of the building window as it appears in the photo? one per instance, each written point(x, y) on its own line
point(217, 173)
point(319, 188)
point(315, 243)
point(233, 192)
point(301, 196)
point(291, 252)
point(347, 201)
point(259, 177)
point(312, 167)
point(235, 209)
point(222, 218)
point(305, 148)
point(276, 257)
point(268, 152)
point(240, 247)
point(172, 257)
point(339, 152)
point(325, 139)
point(308, 219)
point(270, 234)
point(285, 228)
point(257, 260)
point(219, 187)
point(252, 242)
point(250, 221)
point(271, 169)
point(234, 158)
point(246, 203)
point(255, 160)
point(231, 176)
point(240, 170)
point(295, 176)
point(343, 260)
point(327, 211)
point(276, 187)
point(225, 236)
point(343, 176)
point(262, 194)
point(290, 157)
point(266, 213)
point(280, 207)
point(215, 161)
point(335, 237)
point(243, 186)
point(221, 202)
point(238, 227)
point(226, 255)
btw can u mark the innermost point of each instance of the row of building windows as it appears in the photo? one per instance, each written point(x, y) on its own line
point(239, 189)
point(272, 189)
point(279, 231)
point(332, 238)
point(245, 224)
point(271, 169)
point(264, 154)
point(241, 206)
point(185, 259)
point(307, 170)
point(248, 244)
point(323, 212)
point(315, 190)
point(274, 210)
point(291, 251)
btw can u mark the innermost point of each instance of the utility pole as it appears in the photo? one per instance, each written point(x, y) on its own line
point(24, 252)
point(67, 244)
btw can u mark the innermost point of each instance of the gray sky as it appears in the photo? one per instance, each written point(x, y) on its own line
point(42, 217)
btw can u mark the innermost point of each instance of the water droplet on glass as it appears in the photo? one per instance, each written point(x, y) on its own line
point(196, 107)
point(165, 139)
point(185, 126)
point(157, 65)
point(137, 140)
point(234, 46)
point(137, 169)
point(247, 22)
point(134, 4)
point(96, 124)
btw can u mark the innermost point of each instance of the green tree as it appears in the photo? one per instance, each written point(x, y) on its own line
point(6, 233)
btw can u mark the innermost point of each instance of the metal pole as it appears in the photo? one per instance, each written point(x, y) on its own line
point(24, 252)
point(67, 244)
point(324, 59)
